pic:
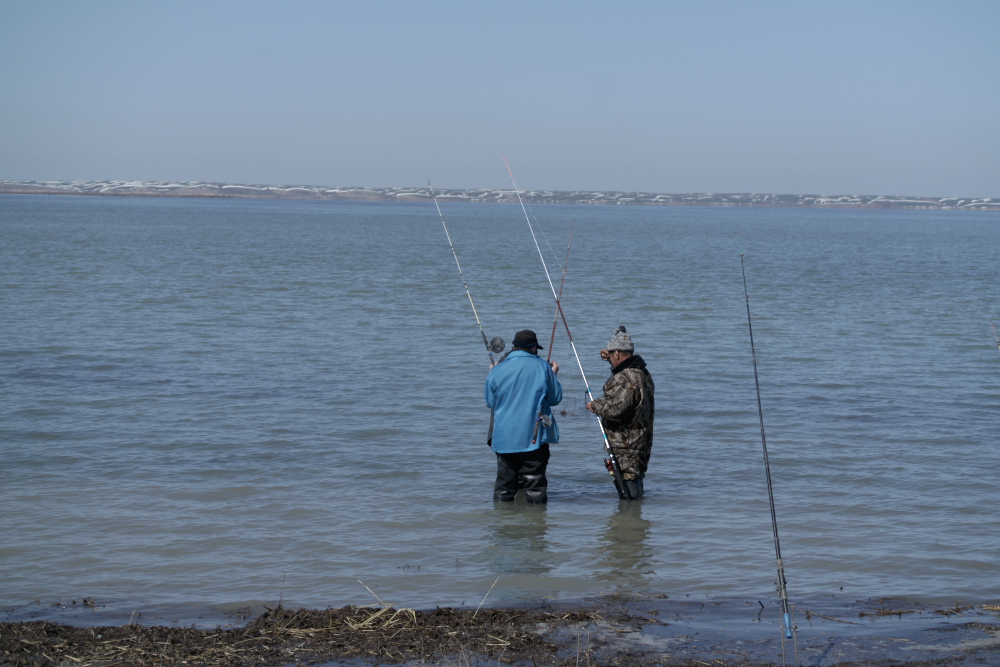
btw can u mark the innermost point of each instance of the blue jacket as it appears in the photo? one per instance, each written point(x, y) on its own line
point(515, 389)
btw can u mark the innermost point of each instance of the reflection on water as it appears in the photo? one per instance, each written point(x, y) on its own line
point(626, 558)
point(517, 541)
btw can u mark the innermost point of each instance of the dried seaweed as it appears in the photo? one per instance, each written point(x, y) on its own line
point(282, 636)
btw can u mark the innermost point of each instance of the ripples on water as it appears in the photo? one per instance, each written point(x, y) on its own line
point(220, 401)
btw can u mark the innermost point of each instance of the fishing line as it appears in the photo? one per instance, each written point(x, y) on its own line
point(541, 231)
point(781, 583)
point(495, 345)
point(997, 339)
point(611, 462)
point(544, 237)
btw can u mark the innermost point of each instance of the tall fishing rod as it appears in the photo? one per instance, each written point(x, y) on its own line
point(542, 232)
point(611, 462)
point(495, 345)
point(555, 322)
point(781, 583)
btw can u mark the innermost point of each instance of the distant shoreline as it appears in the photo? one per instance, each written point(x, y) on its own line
point(597, 198)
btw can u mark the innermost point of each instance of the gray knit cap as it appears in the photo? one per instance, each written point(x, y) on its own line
point(620, 340)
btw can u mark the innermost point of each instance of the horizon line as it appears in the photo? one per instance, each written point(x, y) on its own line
point(216, 189)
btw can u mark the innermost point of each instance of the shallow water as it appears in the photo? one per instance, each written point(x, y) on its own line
point(212, 402)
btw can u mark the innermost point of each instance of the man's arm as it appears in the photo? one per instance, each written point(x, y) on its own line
point(553, 390)
point(488, 391)
point(618, 399)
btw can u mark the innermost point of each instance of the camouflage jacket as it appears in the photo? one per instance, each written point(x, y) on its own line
point(627, 413)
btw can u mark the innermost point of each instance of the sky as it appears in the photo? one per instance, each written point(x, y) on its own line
point(798, 97)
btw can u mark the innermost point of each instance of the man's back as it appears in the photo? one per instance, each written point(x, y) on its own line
point(516, 389)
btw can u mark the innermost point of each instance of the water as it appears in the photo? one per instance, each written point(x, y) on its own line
point(213, 402)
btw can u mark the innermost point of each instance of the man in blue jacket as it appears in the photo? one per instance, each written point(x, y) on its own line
point(521, 390)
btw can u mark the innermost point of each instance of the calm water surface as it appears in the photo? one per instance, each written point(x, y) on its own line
point(217, 402)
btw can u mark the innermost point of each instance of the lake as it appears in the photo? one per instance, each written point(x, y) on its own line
point(215, 403)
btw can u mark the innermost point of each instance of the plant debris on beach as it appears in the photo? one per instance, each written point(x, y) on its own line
point(613, 631)
point(282, 636)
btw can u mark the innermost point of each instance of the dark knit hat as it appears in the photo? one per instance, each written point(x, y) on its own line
point(526, 338)
point(621, 341)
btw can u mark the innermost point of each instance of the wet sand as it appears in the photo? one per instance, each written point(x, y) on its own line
point(614, 630)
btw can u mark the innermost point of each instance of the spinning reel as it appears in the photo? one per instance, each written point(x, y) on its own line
point(497, 345)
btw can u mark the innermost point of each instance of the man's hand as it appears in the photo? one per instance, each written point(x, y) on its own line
point(590, 406)
point(605, 355)
point(555, 366)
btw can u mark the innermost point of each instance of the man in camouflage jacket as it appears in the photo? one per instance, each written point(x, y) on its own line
point(627, 410)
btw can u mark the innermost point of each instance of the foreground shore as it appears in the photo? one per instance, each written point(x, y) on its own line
point(615, 630)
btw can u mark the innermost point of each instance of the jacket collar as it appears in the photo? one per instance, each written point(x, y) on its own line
point(635, 361)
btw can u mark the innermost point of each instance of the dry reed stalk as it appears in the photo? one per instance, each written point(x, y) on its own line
point(809, 614)
point(371, 618)
point(371, 591)
point(485, 596)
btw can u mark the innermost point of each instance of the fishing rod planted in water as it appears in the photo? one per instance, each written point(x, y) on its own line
point(781, 583)
point(494, 345)
point(611, 462)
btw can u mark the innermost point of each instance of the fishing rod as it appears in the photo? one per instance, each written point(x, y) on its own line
point(555, 321)
point(542, 232)
point(781, 583)
point(611, 462)
point(562, 283)
point(494, 345)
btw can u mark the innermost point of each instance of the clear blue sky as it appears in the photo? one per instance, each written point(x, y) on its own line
point(805, 96)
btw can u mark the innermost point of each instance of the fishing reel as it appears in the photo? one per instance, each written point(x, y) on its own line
point(497, 345)
point(544, 420)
